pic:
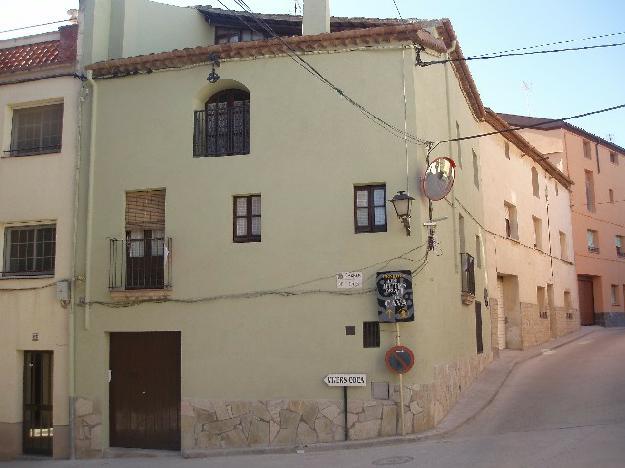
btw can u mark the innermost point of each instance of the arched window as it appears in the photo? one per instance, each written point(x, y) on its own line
point(223, 127)
point(535, 187)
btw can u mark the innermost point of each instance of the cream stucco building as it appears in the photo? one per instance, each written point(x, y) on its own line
point(529, 241)
point(221, 212)
point(39, 105)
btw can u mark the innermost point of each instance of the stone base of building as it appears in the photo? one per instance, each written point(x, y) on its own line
point(535, 329)
point(610, 319)
point(11, 441)
point(217, 424)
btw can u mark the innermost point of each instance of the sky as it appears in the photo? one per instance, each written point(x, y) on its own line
point(546, 85)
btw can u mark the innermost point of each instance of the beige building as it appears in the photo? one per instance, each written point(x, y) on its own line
point(223, 215)
point(39, 108)
point(597, 166)
point(529, 241)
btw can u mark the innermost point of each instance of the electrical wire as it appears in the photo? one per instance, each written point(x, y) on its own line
point(602, 203)
point(547, 44)
point(35, 26)
point(398, 12)
point(296, 57)
point(33, 288)
point(515, 54)
point(540, 124)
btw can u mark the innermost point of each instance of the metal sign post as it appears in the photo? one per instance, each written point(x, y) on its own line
point(346, 380)
point(401, 385)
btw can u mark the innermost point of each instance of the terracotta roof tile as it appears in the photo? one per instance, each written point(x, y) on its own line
point(40, 54)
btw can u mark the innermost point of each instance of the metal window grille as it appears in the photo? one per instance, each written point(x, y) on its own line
point(37, 130)
point(370, 334)
point(30, 250)
point(370, 208)
point(223, 127)
point(468, 273)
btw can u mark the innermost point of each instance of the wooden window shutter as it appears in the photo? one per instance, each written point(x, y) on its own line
point(145, 210)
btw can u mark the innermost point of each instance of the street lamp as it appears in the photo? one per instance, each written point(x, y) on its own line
point(401, 202)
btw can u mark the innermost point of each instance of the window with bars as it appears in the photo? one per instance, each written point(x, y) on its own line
point(223, 127)
point(246, 218)
point(36, 130)
point(370, 208)
point(370, 334)
point(30, 250)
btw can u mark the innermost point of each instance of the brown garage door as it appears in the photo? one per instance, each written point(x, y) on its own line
point(586, 301)
point(144, 392)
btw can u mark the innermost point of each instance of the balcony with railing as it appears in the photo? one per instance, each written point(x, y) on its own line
point(222, 130)
point(140, 264)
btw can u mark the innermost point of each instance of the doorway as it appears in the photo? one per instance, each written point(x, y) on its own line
point(144, 390)
point(586, 301)
point(37, 426)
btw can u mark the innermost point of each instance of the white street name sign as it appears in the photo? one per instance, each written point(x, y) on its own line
point(349, 280)
point(346, 380)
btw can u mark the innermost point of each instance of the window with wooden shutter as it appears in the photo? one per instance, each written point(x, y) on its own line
point(247, 218)
point(370, 208)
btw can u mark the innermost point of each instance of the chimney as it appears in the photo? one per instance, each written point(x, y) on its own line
point(316, 17)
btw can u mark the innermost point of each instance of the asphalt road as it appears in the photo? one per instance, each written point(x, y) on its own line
point(564, 408)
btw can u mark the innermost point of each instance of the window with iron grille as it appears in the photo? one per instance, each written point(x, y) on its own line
point(37, 130)
point(468, 273)
point(29, 250)
point(246, 218)
point(370, 208)
point(223, 127)
point(370, 334)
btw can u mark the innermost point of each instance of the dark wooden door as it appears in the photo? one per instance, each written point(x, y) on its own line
point(37, 426)
point(478, 327)
point(144, 391)
point(586, 301)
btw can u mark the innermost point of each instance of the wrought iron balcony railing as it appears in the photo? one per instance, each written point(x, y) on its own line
point(140, 264)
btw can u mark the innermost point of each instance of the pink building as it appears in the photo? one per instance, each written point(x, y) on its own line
point(597, 167)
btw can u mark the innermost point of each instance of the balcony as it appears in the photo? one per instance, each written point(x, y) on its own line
point(593, 249)
point(140, 264)
point(467, 265)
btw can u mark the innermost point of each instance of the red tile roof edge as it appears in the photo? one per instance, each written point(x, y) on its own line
point(514, 137)
point(327, 41)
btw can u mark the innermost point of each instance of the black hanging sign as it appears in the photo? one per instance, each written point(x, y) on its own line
point(395, 303)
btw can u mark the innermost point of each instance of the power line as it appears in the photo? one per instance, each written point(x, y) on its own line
point(566, 41)
point(397, 8)
point(514, 54)
point(545, 122)
point(34, 26)
point(293, 54)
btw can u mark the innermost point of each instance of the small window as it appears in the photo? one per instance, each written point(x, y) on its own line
point(535, 186)
point(590, 190)
point(478, 251)
point(587, 154)
point(230, 35)
point(246, 218)
point(223, 127)
point(538, 232)
point(563, 247)
point(370, 334)
point(506, 148)
point(476, 173)
point(592, 240)
point(555, 184)
point(620, 252)
point(461, 238)
point(370, 208)
point(37, 130)
point(458, 145)
point(29, 250)
point(614, 294)
point(613, 157)
point(611, 195)
point(467, 263)
point(510, 218)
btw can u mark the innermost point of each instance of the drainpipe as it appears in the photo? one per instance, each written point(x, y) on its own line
point(92, 137)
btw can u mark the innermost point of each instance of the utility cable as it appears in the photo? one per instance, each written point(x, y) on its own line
point(398, 12)
point(514, 54)
point(35, 26)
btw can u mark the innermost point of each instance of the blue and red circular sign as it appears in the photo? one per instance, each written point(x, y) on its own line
point(399, 359)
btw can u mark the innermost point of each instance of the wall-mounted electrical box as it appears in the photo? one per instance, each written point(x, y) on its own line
point(63, 290)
